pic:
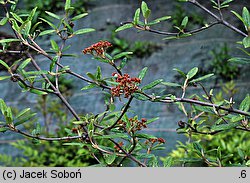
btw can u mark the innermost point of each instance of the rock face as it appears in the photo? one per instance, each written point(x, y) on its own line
point(183, 54)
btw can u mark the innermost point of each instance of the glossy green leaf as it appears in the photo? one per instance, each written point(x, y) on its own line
point(98, 73)
point(88, 87)
point(238, 16)
point(142, 73)
point(198, 147)
point(24, 118)
point(54, 45)
point(246, 17)
point(168, 162)
point(67, 5)
point(109, 158)
point(184, 22)
point(73, 144)
point(201, 78)
point(38, 92)
point(91, 76)
point(140, 96)
point(171, 84)
point(246, 42)
point(245, 104)
point(23, 112)
point(9, 40)
point(158, 20)
point(240, 60)
point(49, 23)
point(32, 14)
point(145, 11)
point(192, 73)
point(4, 64)
point(224, 126)
point(152, 84)
point(122, 54)
point(145, 136)
point(152, 120)
point(3, 129)
point(3, 21)
point(112, 136)
point(137, 16)
point(77, 17)
point(17, 17)
point(53, 15)
point(83, 31)
point(47, 32)
point(125, 26)
point(4, 77)
point(180, 72)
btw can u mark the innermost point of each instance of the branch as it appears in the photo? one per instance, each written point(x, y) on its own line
point(221, 21)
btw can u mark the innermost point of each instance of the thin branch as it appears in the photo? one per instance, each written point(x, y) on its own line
point(122, 114)
point(227, 24)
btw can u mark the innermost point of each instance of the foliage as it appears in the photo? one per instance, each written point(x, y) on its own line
point(115, 137)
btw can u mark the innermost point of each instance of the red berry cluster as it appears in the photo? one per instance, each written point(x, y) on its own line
point(97, 49)
point(117, 148)
point(135, 124)
point(154, 140)
point(126, 86)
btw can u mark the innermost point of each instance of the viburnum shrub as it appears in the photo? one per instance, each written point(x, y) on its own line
point(115, 137)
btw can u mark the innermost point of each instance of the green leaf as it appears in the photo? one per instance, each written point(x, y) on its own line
point(3, 106)
point(246, 17)
point(171, 84)
point(125, 26)
point(245, 104)
point(224, 126)
point(152, 84)
point(73, 144)
point(3, 129)
point(88, 86)
point(109, 158)
point(4, 77)
point(23, 112)
point(238, 16)
point(98, 73)
point(198, 147)
point(113, 136)
point(145, 11)
point(226, 2)
point(8, 115)
point(180, 72)
point(54, 45)
point(122, 54)
point(77, 17)
point(9, 40)
point(24, 63)
point(246, 42)
point(123, 62)
point(91, 128)
point(192, 73)
point(16, 17)
point(158, 20)
point(49, 23)
point(4, 64)
point(142, 73)
point(53, 15)
point(25, 118)
point(240, 60)
point(137, 16)
point(3, 21)
point(140, 96)
point(91, 76)
point(145, 136)
point(184, 22)
point(152, 120)
point(67, 5)
point(38, 92)
point(201, 78)
point(32, 14)
point(83, 31)
point(47, 32)
point(168, 162)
